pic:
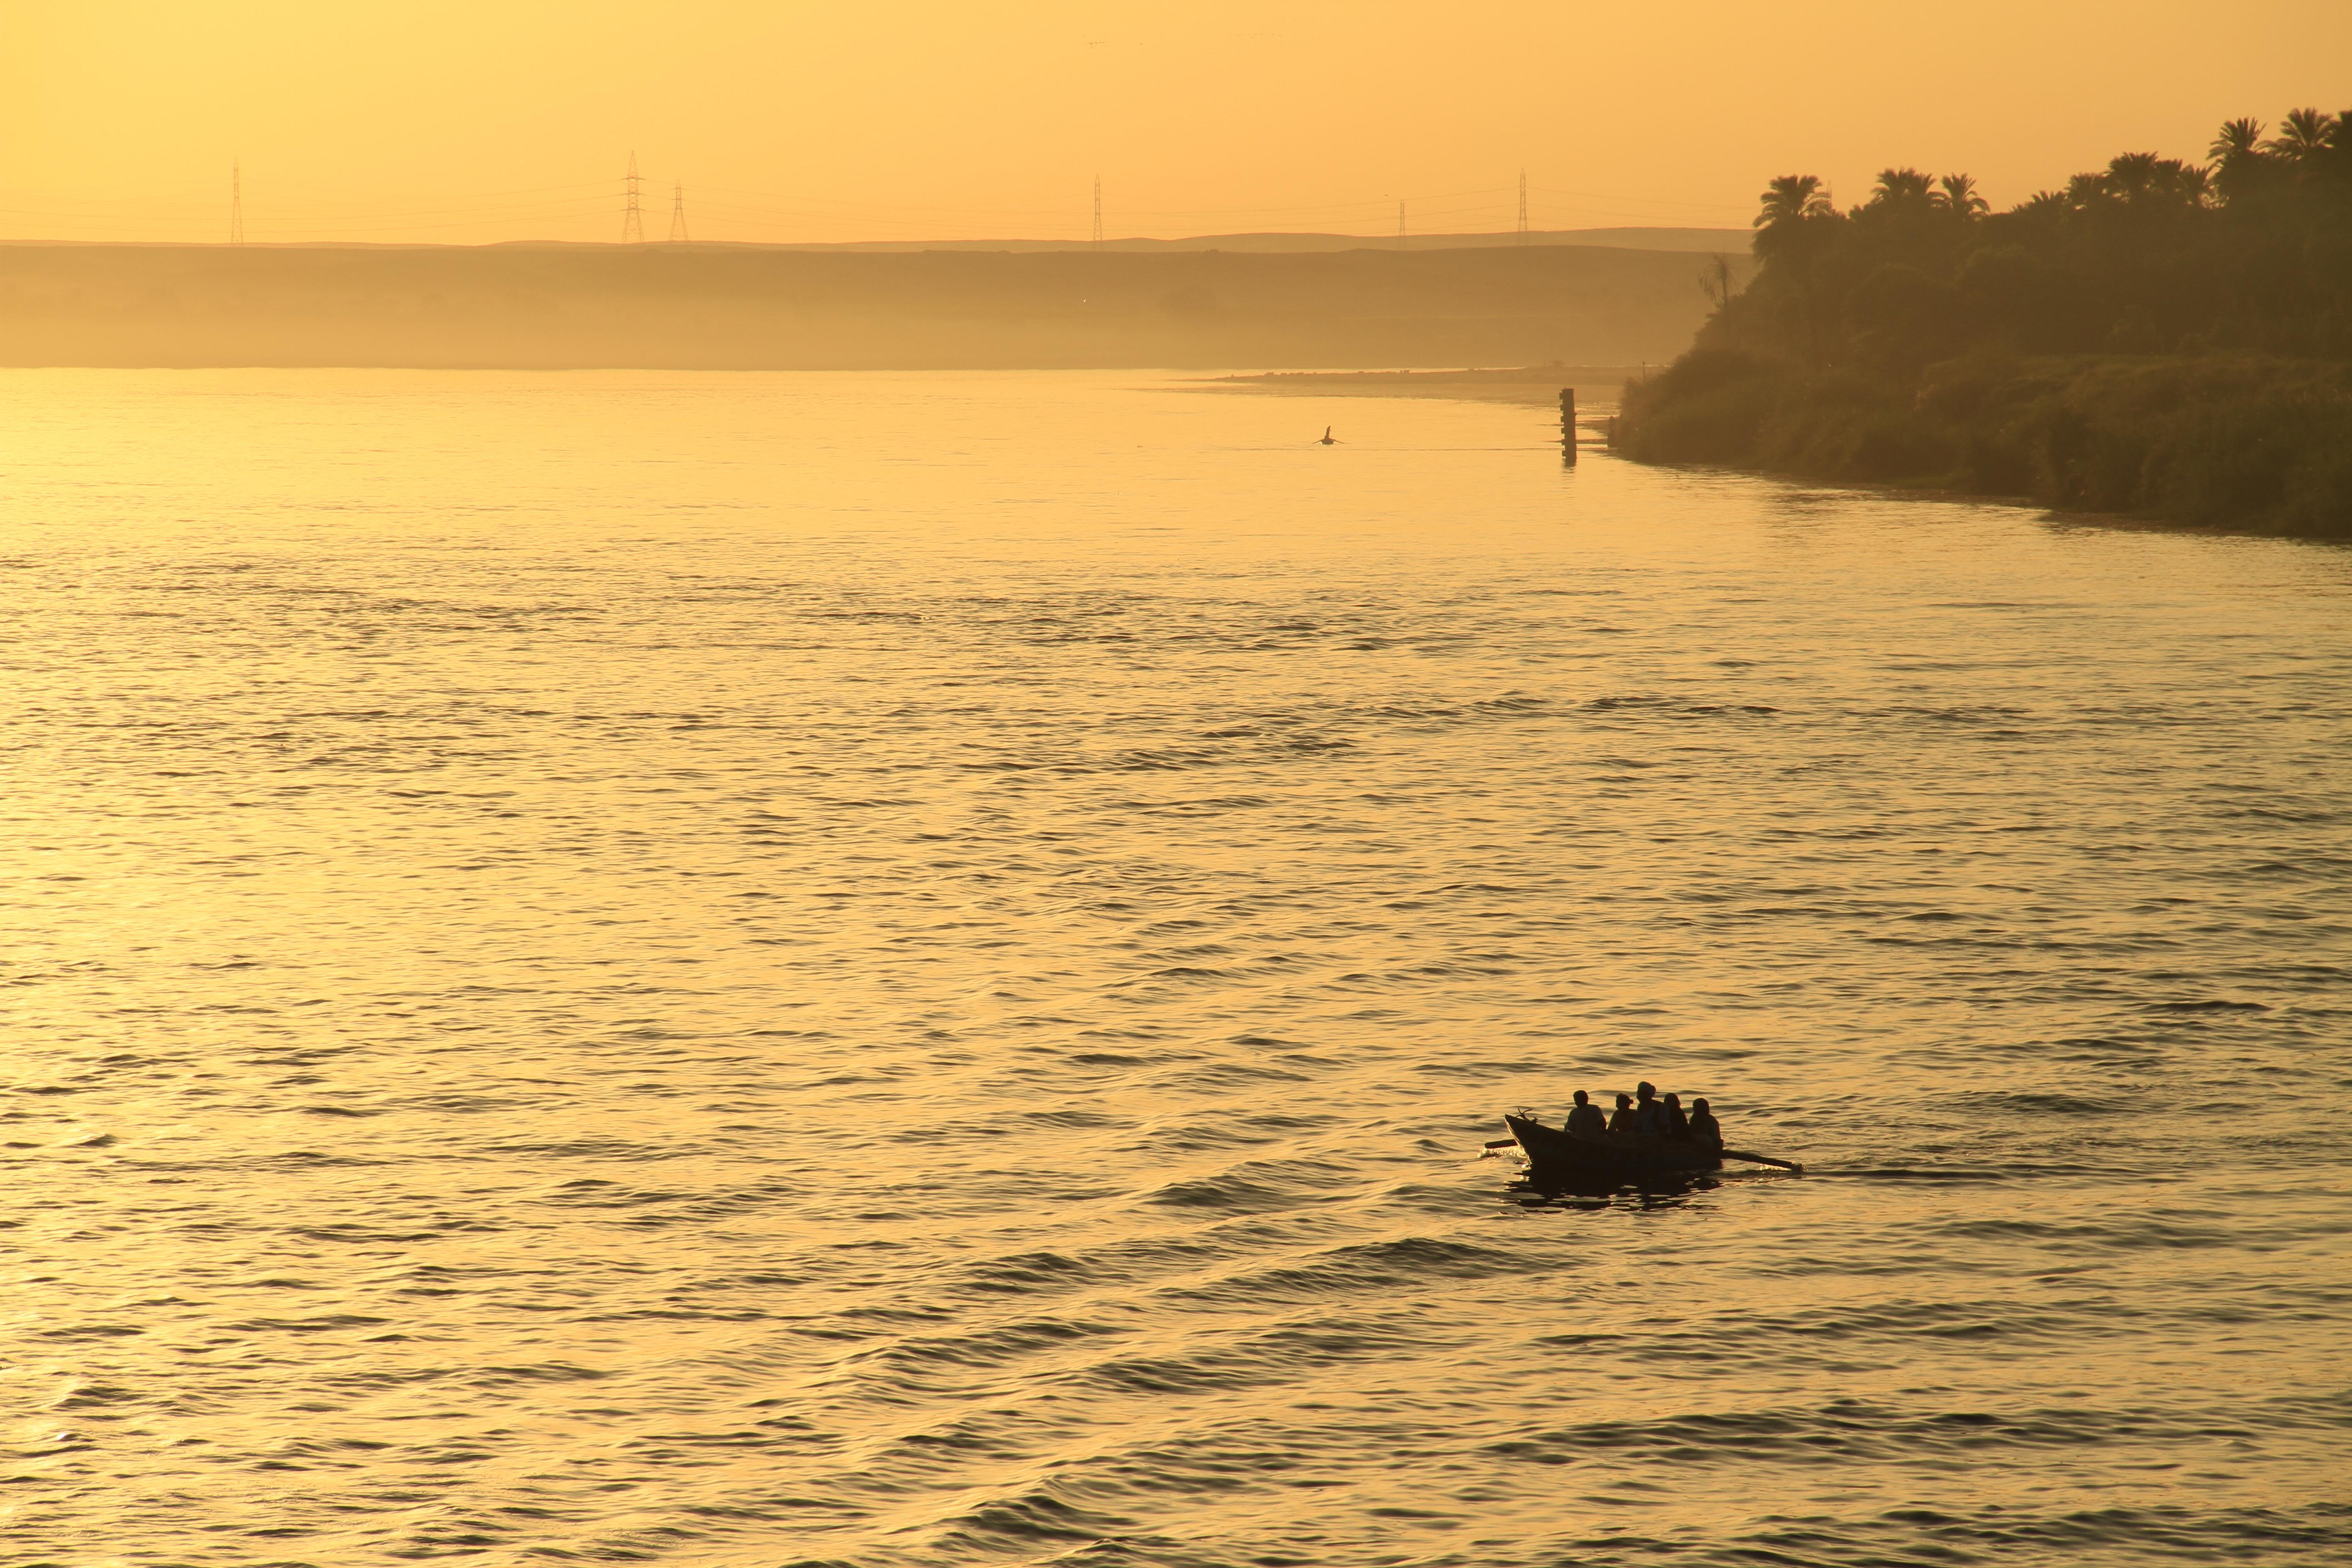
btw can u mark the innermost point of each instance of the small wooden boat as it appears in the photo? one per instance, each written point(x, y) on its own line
point(1557, 1155)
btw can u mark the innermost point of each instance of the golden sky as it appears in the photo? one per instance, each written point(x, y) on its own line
point(460, 120)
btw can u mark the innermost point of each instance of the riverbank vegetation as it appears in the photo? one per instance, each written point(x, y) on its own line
point(2162, 337)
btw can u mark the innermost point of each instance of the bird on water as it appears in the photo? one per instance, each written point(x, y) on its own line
point(1329, 439)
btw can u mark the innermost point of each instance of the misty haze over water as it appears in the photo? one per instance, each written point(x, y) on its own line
point(723, 307)
point(910, 969)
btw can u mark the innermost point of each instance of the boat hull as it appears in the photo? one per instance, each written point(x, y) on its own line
point(1559, 1156)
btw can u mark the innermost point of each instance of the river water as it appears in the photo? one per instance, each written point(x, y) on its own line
point(765, 969)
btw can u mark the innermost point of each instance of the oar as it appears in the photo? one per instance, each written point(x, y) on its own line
point(1764, 1160)
point(1500, 1143)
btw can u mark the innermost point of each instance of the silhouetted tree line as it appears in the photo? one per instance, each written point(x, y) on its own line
point(2159, 335)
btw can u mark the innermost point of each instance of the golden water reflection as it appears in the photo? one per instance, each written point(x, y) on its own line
point(880, 969)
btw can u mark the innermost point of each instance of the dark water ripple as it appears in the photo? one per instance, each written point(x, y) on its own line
point(684, 986)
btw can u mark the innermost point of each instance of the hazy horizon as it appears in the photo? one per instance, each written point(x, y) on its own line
point(716, 306)
point(435, 123)
point(1698, 241)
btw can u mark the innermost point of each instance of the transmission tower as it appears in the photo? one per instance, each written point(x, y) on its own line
point(1523, 206)
point(1399, 226)
point(1097, 238)
point(678, 213)
point(236, 202)
point(633, 217)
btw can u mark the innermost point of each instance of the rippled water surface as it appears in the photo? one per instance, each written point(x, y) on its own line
point(766, 970)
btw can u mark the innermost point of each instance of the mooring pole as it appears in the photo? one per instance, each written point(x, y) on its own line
point(1567, 425)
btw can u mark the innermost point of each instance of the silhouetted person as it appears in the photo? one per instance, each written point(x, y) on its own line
point(1677, 1125)
point(1704, 1126)
point(1586, 1121)
point(1649, 1116)
point(1623, 1121)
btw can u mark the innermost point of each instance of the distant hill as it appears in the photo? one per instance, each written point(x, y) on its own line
point(1702, 241)
point(766, 307)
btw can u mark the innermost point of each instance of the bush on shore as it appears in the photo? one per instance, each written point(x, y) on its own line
point(2225, 441)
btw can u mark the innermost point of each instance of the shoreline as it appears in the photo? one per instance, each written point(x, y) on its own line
point(1531, 386)
point(2242, 444)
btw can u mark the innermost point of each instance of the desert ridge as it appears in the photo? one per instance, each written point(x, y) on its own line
point(732, 307)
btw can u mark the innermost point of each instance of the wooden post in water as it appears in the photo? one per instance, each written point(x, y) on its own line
point(1567, 425)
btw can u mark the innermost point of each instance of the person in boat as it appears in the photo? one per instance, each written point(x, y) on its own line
point(1649, 1116)
point(1623, 1121)
point(1678, 1124)
point(1586, 1121)
point(1704, 1127)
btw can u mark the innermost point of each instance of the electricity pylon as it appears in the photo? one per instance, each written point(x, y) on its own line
point(236, 202)
point(678, 213)
point(633, 217)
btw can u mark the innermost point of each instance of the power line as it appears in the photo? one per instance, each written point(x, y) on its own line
point(633, 217)
point(320, 214)
point(677, 235)
point(1605, 197)
point(1357, 204)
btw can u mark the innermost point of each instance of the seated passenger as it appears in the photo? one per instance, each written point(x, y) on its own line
point(1649, 1116)
point(1623, 1121)
point(1586, 1121)
point(1677, 1125)
point(1704, 1126)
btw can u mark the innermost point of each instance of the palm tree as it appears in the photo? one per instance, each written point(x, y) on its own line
point(2043, 204)
point(1958, 195)
point(2086, 190)
point(2144, 182)
point(2240, 165)
point(2131, 174)
point(2305, 133)
point(2237, 139)
point(1791, 199)
point(1901, 188)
